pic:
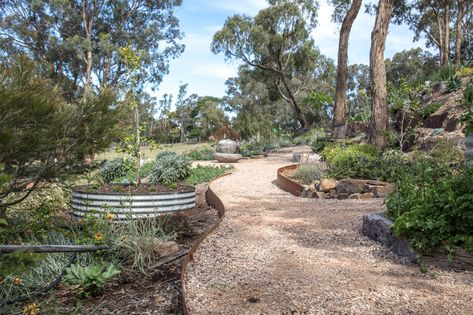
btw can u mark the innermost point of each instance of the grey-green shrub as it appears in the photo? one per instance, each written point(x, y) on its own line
point(170, 169)
point(117, 168)
point(308, 173)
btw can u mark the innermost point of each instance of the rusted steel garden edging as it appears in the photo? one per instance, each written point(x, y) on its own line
point(286, 184)
point(213, 200)
point(126, 206)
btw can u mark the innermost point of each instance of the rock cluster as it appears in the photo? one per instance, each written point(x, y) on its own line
point(361, 189)
point(305, 158)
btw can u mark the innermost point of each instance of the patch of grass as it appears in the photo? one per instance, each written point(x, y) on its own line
point(202, 174)
point(148, 152)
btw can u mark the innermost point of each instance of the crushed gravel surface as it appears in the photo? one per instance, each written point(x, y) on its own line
point(279, 254)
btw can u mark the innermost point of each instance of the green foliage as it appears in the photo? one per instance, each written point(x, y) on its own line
point(464, 72)
point(402, 97)
point(202, 174)
point(430, 108)
point(432, 207)
point(135, 241)
point(453, 84)
point(90, 280)
point(445, 73)
point(447, 153)
point(202, 154)
point(362, 161)
point(318, 145)
point(164, 153)
point(467, 117)
point(42, 269)
point(308, 173)
point(339, 151)
point(170, 169)
point(118, 168)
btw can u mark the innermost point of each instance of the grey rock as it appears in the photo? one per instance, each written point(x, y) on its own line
point(227, 158)
point(226, 146)
point(379, 228)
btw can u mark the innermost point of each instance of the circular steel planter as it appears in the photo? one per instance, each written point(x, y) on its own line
point(126, 206)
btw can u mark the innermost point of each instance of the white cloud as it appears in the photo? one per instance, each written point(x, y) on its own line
point(215, 70)
point(250, 7)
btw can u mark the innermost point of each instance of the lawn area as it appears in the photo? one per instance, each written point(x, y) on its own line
point(148, 152)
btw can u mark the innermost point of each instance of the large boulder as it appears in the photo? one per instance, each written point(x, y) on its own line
point(351, 186)
point(226, 146)
point(327, 184)
point(227, 158)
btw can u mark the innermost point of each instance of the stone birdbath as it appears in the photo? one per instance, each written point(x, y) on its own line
point(226, 151)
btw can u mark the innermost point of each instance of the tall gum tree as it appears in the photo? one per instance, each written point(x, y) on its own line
point(379, 107)
point(277, 41)
point(339, 116)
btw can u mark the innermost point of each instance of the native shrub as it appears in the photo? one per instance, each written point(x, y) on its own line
point(170, 169)
point(117, 168)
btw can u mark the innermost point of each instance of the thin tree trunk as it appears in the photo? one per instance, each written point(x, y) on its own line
point(138, 148)
point(379, 107)
point(441, 38)
point(459, 31)
point(339, 117)
point(291, 99)
point(446, 31)
point(87, 21)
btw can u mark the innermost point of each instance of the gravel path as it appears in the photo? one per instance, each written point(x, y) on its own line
point(278, 254)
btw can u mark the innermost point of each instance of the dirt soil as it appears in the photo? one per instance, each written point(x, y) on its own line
point(143, 188)
point(134, 293)
point(275, 253)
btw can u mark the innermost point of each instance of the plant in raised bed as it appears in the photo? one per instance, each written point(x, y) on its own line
point(90, 280)
point(118, 168)
point(170, 169)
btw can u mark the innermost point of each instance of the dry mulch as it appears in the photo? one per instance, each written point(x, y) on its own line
point(279, 254)
point(134, 293)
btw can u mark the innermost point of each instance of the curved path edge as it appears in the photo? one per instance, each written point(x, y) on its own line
point(213, 200)
point(287, 184)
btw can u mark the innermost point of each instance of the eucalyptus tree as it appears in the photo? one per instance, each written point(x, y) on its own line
point(437, 20)
point(276, 41)
point(346, 14)
point(77, 41)
point(379, 107)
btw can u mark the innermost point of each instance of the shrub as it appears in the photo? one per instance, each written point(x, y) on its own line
point(467, 103)
point(433, 208)
point(90, 280)
point(202, 154)
point(170, 169)
point(136, 240)
point(464, 72)
point(164, 153)
point(445, 73)
point(318, 145)
point(308, 173)
point(117, 168)
point(338, 152)
point(453, 84)
point(431, 108)
point(202, 174)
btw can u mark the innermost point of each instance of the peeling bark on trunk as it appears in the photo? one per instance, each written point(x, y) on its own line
point(459, 31)
point(379, 107)
point(446, 32)
point(339, 117)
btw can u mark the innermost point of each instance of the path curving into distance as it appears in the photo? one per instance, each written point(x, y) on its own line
point(275, 253)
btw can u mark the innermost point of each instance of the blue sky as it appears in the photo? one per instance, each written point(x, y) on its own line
point(206, 73)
